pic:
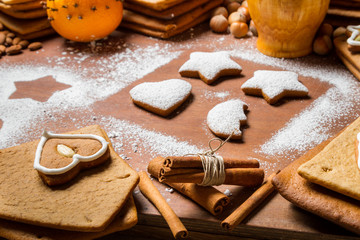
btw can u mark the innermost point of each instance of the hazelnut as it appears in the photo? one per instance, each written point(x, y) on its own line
point(239, 29)
point(219, 23)
point(339, 31)
point(244, 4)
point(326, 29)
point(322, 45)
point(245, 11)
point(220, 11)
point(236, 17)
point(253, 29)
point(233, 7)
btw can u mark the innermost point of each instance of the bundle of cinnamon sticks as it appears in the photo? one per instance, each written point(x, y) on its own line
point(190, 170)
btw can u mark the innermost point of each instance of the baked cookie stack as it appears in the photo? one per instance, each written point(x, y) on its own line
point(26, 18)
point(344, 12)
point(166, 18)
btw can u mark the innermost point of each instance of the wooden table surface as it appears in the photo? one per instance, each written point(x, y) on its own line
point(276, 218)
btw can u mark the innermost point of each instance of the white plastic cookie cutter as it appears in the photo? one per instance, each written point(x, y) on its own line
point(76, 157)
point(355, 31)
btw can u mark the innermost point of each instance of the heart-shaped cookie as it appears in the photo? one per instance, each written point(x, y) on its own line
point(162, 97)
point(354, 40)
point(226, 118)
point(60, 157)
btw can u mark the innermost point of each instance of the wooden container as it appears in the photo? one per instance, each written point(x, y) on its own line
point(287, 28)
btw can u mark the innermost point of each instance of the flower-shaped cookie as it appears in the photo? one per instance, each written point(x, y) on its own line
point(274, 85)
point(354, 40)
point(209, 66)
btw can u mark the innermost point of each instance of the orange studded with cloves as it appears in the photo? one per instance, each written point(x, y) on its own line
point(84, 20)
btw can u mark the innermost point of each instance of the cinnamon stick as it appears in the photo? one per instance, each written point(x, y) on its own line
point(195, 162)
point(208, 197)
point(152, 193)
point(247, 177)
point(249, 205)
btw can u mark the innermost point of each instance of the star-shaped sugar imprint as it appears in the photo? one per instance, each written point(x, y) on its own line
point(209, 66)
point(274, 85)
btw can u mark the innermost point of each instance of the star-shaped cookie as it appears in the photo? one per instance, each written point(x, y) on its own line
point(209, 66)
point(274, 85)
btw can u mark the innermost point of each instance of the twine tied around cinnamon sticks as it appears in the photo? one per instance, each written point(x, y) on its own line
point(213, 165)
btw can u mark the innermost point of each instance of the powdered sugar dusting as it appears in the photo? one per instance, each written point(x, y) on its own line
point(225, 118)
point(110, 74)
point(151, 142)
point(313, 125)
point(214, 94)
point(161, 95)
point(274, 83)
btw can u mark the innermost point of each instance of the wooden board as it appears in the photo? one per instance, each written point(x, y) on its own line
point(277, 217)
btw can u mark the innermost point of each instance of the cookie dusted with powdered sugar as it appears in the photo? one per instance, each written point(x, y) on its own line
point(209, 66)
point(226, 118)
point(162, 97)
point(274, 85)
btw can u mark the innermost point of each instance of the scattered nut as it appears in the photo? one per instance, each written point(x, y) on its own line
point(16, 41)
point(322, 45)
point(10, 35)
point(244, 4)
point(8, 41)
point(2, 38)
point(339, 31)
point(220, 11)
point(253, 29)
point(24, 44)
point(2, 49)
point(325, 29)
point(245, 11)
point(14, 49)
point(233, 7)
point(236, 17)
point(65, 150)
point(1, 26)
point(239, 29)
point(35, 46)
point(219, 24)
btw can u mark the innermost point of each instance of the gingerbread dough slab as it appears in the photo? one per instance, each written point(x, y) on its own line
point(158, 5)
point(28, 14)
point(22, 26)
point(170, 25)
point(126, 219)
point(167, 14)
point(87, 203)
point(335, 166)
point(328, 204)
point(22, 6)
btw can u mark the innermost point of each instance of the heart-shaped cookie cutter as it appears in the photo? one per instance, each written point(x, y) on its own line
point(355, 31)
point(76, 157)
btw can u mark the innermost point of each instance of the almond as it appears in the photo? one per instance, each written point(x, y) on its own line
point(2, 38)
point(35, 46)
point(65, 150)
point(14, 49)
point(24, 44)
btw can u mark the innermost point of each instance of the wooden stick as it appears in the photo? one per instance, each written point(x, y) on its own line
point(208, 197)
point(249, 205)
point(152, 193)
